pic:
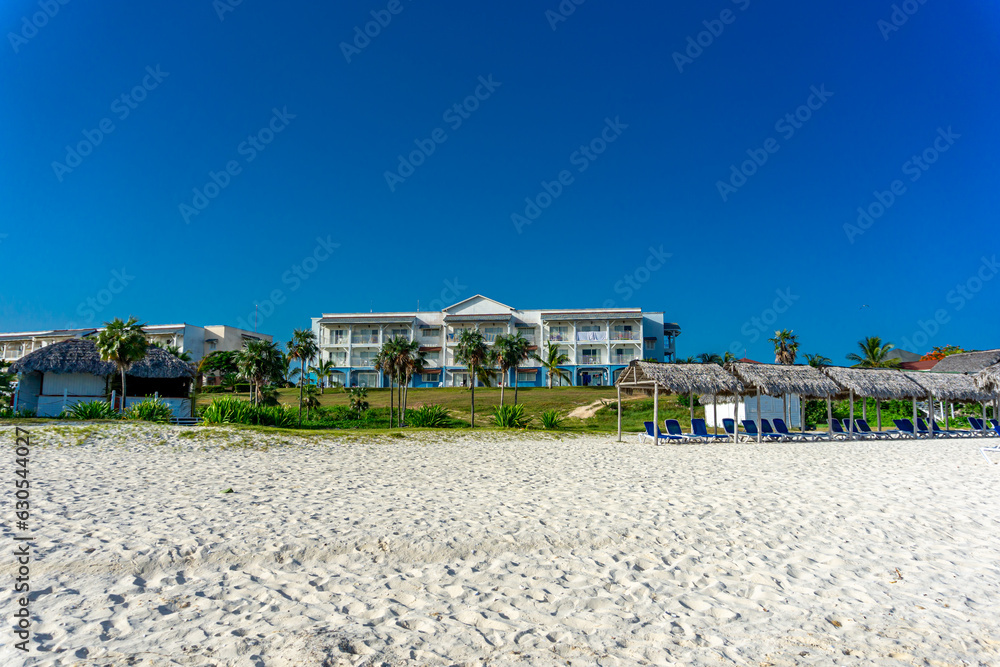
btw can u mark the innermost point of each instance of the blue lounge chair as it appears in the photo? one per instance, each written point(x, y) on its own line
point(905, 427)
point(699, 428)
point(862, 426)
point(659, 437)
point(937, 430)
point(996, 425)
point(768, 431)
point(977, 424)
point(750, 426)
point(856, 432)
point(674, 431)
point(837, 430)
point(984, 450)
point(782, 429)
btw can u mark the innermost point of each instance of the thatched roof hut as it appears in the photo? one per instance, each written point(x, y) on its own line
point(781, 379)
point(878, 383)
point(81, 356)
point(949, 386)
point(988, 379)
point(968, 362)
point(679, 378)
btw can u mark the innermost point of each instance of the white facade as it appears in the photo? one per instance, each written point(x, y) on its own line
point(770, 408)
point(598, 342)
point(198, 341)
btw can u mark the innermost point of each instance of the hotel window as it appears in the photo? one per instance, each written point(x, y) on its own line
point(493, 330)
point(429, 377)
point(558, 333)
point(432, 356)
point(525, 377)
point(399, 333)
point(431, 333)
point(649, 343)
point(590, 327)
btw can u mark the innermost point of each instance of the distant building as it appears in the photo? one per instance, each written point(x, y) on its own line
point(968, 362)
point(599, 342)
point(198, 341)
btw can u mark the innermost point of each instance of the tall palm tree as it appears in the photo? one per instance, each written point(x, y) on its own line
point(302, 347)
point(260, 362)
point(873, 354)
point(503, 353)
point(312, 394)
point(385, 363)
point(551, 361)
point(818, 360)
point(409, 361)
point(708, 358)
point(472, 351)
point(520, 352)
point(122, 343)
point(786, 346)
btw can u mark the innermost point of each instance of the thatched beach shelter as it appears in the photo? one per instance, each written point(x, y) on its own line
point(783, 380)
point(69, 372)
point(969, 363)
point(676, 379)
point(988, 381)
point(882, 384)
point(948, 388)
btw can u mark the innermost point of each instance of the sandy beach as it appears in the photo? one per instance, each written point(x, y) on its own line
point(493, 548)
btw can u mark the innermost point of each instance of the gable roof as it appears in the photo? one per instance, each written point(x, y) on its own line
point(967, 362)
point(477, 296)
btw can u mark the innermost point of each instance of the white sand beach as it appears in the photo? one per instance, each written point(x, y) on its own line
point(462, 549)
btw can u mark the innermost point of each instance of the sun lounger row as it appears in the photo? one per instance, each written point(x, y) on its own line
point(779, 431)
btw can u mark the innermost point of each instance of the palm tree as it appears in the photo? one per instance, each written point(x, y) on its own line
point(386, 362)
point(311, 398)
point(409, 361)
point(471, 351)
point(323, 371)
point(261, 361)
point(873, 354)
point(519, 353)
point(551, 361)
point(122, 343)
point(503, 351)
point(707, 358)
point(818, 360)
point(728, 357)
point(786, 346)
point(302, 347)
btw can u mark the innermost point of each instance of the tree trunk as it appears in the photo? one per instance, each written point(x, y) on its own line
point(502, 383)
point(392, 411)
point(123, 389)
point(302, 383)
point(515, 385)
point(473, 396)
point(550, 378)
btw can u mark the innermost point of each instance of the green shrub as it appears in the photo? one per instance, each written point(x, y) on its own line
point(150, 410)
point(23, 413)
point(229, 410)
point(510, 416)
point(91, 410)
point(552, 419)
point(428, 416)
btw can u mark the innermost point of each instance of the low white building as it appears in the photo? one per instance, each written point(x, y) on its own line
point(770, 407)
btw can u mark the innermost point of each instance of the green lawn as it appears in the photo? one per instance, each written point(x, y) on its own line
point(536, 401)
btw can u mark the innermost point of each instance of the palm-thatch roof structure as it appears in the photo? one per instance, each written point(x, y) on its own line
point(679, 378)
point(81, 356)
point(968, 362)
point(878, 383)
point(68, 356)
point(948, 386)
point(988, 379)
point(781, 379)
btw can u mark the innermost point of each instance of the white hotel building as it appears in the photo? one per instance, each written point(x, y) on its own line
point(599, 342)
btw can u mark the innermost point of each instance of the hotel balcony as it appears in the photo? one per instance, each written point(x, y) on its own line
point(623, 359)
point(587, 359)
point(560, 337)
point(364, 340)
point(591, 336)
point(362, 362)
point(625, 335)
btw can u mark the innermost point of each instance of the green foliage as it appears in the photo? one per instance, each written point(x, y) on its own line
point(150, 410)
point(510, 416)
point(429, 416)
point(23, 413)
point(91, 410)
point(552, 419)
point(359, 398)
point(873, 354)
point(269, 395)
point(229, 410)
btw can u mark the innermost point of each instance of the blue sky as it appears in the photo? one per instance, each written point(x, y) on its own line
point(254, 154)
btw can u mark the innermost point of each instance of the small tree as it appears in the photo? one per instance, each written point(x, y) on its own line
point(551, 362)
point(302, 347)
point(472, 351)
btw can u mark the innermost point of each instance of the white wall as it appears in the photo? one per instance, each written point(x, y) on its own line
point(73, 384)
point(770, 407)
